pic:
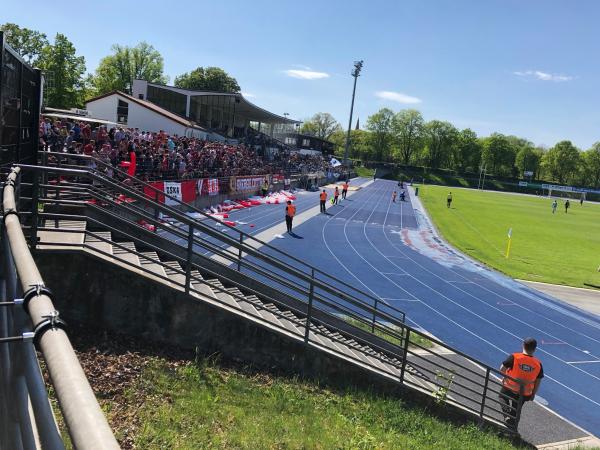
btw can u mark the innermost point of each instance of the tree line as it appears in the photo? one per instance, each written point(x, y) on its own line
point(68, 84)
point(404, 137)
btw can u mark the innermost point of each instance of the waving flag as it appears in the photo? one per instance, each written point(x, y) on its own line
point(335, 163)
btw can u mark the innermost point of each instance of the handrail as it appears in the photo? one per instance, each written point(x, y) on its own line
point(473, 391)
point(470, 390)
point(85, 420)
point(246, 237)
point(374, 314)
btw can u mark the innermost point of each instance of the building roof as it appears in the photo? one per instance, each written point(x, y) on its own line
point(151, 106)
point(244, 107)
point(78, 118)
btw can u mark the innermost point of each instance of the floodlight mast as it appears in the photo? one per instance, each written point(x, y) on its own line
point(355, 73)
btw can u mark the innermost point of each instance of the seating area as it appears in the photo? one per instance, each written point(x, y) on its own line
point(160, 156)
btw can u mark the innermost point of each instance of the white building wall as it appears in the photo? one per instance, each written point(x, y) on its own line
point(139, 117)
point(139, 87)
point(104, 108)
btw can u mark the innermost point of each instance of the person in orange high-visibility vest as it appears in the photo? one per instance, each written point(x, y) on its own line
point(323, 200)
point(525, 373)
point(336, 194)
point(345, 189)
point(290, 212)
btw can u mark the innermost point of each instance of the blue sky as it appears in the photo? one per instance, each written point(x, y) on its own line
point(524, 67)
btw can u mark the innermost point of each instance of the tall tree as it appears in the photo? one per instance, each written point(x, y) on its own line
point(380, 126)
point(321, 125)
point(498, 154)
point(27, 43)
point(562, 161)
point(440, 138)
point(407, 128)
point(591, 163)
point(212, 79)
point(468, 150)
point(528, 159)
point(118, 70)
point(64, 72)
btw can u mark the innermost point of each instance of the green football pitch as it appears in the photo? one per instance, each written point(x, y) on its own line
point(552, 248)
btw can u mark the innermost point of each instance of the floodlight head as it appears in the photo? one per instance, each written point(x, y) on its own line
point(357, 68)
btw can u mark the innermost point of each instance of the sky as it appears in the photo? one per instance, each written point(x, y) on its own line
point(525, 67)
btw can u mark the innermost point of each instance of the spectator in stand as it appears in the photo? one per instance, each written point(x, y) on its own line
point(163, 156)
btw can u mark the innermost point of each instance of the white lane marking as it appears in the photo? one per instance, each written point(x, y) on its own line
point(477, 315)
point(584, 362)
point(491, 323)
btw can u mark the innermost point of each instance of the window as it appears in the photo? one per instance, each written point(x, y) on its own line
point(305, 142)
point(165, 98)
point(290, 141)
point(122, 112)
point(141, 96)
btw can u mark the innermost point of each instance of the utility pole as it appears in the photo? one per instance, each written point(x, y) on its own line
point(355, 73)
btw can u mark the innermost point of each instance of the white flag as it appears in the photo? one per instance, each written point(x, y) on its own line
point(510, 232)
point(334, 162)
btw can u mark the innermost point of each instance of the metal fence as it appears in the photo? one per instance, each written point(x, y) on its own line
point(20, 87)
point(410, 356)
point(28, 320)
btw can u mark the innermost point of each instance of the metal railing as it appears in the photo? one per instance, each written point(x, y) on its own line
point(243, 243)
point(28, 316)
point(446, 373)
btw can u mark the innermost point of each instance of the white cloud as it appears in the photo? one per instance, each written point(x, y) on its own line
point(248, 95)
point(543, 76)
point(305, 74)
point(397, 97)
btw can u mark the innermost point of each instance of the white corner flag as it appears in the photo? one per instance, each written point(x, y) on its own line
point(335, 163)
point(510, 232)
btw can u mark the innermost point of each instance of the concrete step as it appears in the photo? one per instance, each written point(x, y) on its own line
point(173, 270)
point(125, 253)
point(72, 233)
point(284, 319)
point(247, 306)
point(148, 262)
point(95, 243)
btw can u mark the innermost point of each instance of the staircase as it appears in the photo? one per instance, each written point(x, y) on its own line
point(65, 234)
point(277, 293)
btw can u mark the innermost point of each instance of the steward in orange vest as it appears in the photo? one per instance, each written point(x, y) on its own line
point(344, 190)
point(524, 375)
point(323, 200)
point(290, 212)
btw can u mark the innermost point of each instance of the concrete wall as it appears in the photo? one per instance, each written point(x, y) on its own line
point(91, 291)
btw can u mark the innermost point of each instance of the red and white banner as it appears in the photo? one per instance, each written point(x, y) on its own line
point(184, 191)
point(208, 186)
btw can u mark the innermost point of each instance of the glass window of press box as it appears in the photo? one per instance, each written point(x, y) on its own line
point(165, 98)
point(213, 111)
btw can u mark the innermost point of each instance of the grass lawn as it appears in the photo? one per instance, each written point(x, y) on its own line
point(560, 248)
point(364, 172)
point(204, 406)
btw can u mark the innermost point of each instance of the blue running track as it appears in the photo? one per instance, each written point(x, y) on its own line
point(482, 314)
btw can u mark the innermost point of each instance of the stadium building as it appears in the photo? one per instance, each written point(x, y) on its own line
point(216, 115)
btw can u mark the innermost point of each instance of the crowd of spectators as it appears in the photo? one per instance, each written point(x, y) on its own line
point(158, 155)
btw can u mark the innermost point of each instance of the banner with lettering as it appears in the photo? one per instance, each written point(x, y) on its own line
point(247, 183)
point(184, 191)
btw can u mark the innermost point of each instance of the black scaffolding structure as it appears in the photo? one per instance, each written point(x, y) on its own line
point(20, 101)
